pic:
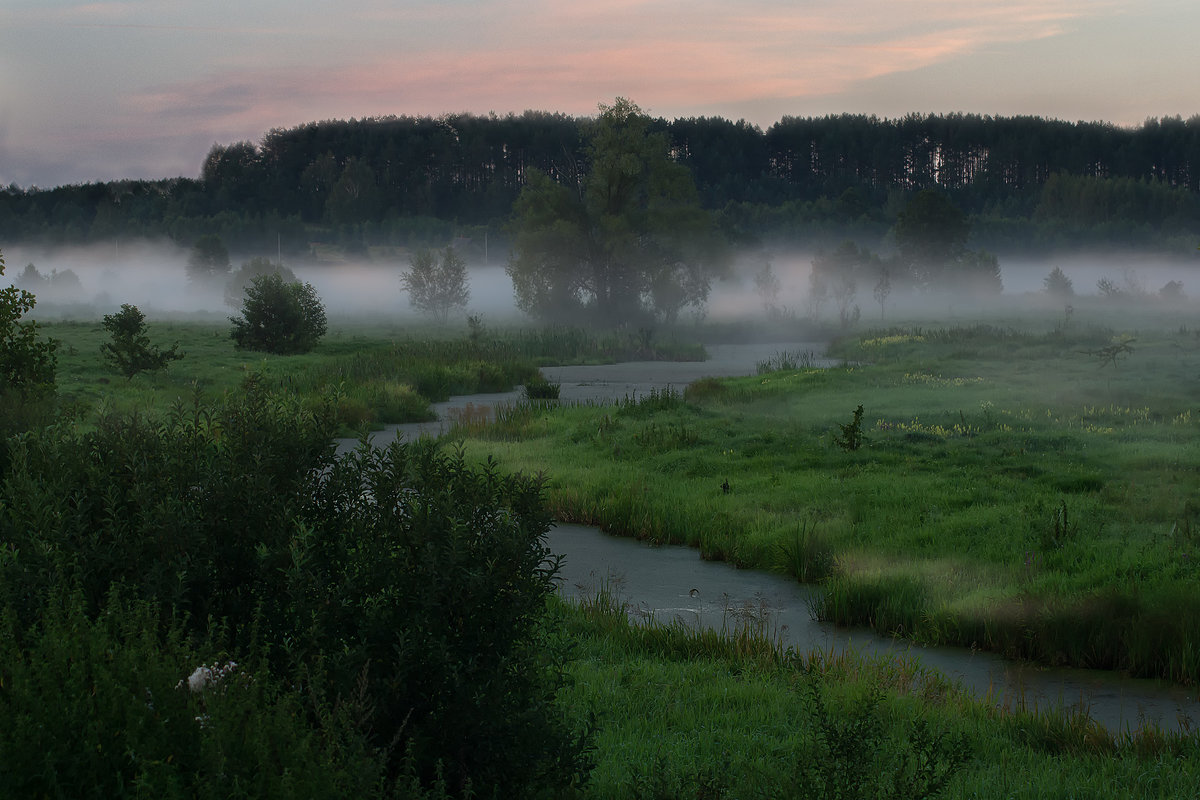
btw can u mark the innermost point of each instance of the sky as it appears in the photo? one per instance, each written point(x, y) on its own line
point(97, 91)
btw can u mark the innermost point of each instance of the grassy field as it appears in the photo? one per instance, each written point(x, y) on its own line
point(1033, 493)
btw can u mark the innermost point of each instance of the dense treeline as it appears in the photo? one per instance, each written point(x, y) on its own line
point(398, 180)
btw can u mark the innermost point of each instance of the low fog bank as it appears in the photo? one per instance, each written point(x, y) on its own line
point(1142, 282)
point(153, 277)
point(87, 283)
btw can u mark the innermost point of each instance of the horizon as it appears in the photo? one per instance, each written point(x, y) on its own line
point(115, 90)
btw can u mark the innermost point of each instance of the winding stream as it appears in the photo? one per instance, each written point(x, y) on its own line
point(672, 583)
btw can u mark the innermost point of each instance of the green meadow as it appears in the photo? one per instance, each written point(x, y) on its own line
point(376, 373)
point(1033, 493)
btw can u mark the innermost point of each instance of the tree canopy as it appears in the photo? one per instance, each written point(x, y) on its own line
point(620, 239)
point(279, 317)
point(437, 282)
point(130, 350)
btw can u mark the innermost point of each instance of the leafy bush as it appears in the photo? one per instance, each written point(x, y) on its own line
point(102, 707)
point(398, 593)
point(851, 437)
point(279, 317)
point(25, 361)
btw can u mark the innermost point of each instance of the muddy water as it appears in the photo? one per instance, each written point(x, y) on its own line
point(674, 583)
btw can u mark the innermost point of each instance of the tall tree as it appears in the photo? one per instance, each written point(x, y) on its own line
point(624, 240)
point(437, 283)
point(208, 262)
point(931, 233)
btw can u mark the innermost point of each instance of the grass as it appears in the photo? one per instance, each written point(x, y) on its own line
point(693, 714)
point(378, 374)
point(1010, 491)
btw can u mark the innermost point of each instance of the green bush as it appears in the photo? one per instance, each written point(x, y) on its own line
point(279, 317)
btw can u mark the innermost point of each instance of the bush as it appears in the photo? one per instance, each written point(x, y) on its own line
point(279, 317)
point(25, 362)
point(402, 590)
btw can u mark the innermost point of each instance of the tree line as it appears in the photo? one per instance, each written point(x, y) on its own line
point(404, 180)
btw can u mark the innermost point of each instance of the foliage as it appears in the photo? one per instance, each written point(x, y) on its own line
point(393, 597)
point(851, 438)
point(279, 317)
point(538, 388)
point(767, 286)
point(918, 765)
point(243, 278)
point(26, 363)
point(101, 707)
point(1057, 284)
point(130, 351)
point(208, 262)
point(931, 233)
point(435, 283)
point(623, 241)
point(1028, 183)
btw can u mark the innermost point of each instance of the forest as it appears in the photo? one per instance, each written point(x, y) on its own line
point(1028, 184)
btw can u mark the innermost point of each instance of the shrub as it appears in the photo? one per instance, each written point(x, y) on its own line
point(279, 317)
point(403, 589)
point(25, 361)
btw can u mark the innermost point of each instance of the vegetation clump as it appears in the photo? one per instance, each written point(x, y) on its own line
point(376, 618)
point(279, 317)
point(437, 282)
point(130, 350)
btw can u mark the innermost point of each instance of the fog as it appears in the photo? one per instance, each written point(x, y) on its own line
point(1138, 280)
point(153, 277)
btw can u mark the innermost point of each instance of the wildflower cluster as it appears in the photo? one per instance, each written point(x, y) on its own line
point(937, 380)
point(884, 341)
point(205, 676)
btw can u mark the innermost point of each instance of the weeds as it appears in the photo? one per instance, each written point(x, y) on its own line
point(917, 764)
point(806, 556)
point(786, 360)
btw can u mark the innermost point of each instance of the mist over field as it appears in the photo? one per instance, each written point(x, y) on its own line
point(152, 276)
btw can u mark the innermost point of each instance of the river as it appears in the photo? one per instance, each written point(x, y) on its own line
point(670, 583)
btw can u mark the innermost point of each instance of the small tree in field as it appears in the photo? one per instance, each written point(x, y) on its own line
point(1057, 284)
point(437, 283)
point(130, 351)
point(279, 317)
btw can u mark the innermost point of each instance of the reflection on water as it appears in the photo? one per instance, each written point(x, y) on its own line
point(673, 584)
